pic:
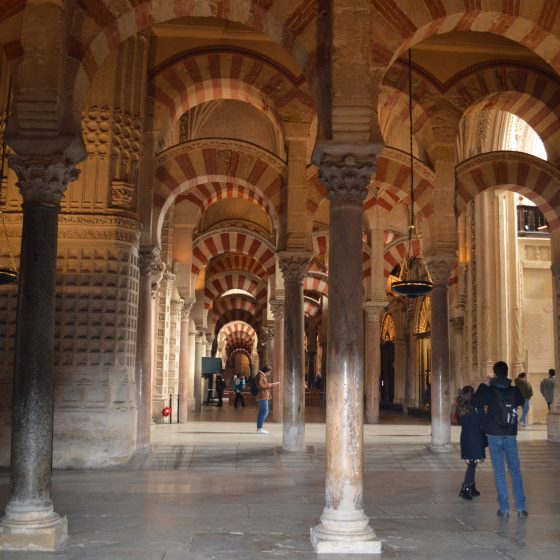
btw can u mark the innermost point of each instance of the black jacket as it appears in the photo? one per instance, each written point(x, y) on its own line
point(485, 396)
point(472, 436)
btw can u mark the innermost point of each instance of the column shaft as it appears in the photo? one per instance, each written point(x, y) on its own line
point(184, 359)
point(198, 354)
point(344, 527)
point(373, 363)
point(278, 363)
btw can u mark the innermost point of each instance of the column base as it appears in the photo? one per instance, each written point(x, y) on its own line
point(553, 426)
point(48, 534)
point(443, 448)
point(346, 535)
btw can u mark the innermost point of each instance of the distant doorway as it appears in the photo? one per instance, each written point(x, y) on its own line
point(387, 377)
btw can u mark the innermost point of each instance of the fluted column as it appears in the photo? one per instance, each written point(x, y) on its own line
point(147, 259)
point(293, 268)
point(440, 269)
point(373, 360)
point(200, 344)
point(184, 359)
point(30, 521)
point(344, 527)
point(277, 308)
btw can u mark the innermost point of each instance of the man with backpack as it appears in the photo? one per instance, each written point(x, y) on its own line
point(500, 424)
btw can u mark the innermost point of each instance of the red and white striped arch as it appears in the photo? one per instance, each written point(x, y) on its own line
point(316, 283)
point(229, 357)
point(205, 171)
point(532, 177)
point(234, 262)
point(237, 326)
point(215, 243)
point(233, 303)
point(105, 24)
point(218, 285)
point(391, 183)
point(533, 24)
point(238, 340)
point(395, 253)
point(226, 72)
point(235, 315)
point(311, 308)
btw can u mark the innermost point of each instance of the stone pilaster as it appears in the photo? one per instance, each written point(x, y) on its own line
point(184, 385)
point(277, 308)
point(293, 266)
point(30, 521)
point(344, 527)
point(372, 360)
point(200, 344)
point(440, 270)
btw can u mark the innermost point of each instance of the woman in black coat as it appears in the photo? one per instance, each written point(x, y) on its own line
point(473, 439)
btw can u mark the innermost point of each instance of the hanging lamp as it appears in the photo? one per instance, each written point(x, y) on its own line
point(414, 278)
point(8, 275)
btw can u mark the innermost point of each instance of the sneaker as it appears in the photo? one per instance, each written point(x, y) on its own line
point(522, 514)
point(262, 431)
point(503, 514)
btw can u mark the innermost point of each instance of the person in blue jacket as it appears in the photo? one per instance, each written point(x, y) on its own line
point(472, 439)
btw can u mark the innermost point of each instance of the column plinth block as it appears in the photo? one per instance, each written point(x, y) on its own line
point(553, 426)
point(33, 529)
point(340, 533)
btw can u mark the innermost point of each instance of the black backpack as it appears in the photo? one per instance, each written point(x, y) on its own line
point(254, 387)
point(505, 415)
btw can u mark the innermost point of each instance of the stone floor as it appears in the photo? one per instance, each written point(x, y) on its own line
point(218, 490)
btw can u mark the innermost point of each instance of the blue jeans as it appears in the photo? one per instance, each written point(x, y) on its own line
point(504, 449)
point(263, 413)
point(525, 412)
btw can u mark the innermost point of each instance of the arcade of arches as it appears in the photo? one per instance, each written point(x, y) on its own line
point(230, 178)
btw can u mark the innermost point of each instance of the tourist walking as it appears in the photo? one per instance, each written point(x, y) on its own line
point(238, 388)
point(263, 396)
point(220, 386)
point(547, 387)
point(522, 383)
point(472, 439)
point(500, 424)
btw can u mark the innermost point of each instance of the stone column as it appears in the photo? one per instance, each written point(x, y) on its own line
point(553, 417)
point(344, 527)
point(373, 360)
point(440, 270)
point(30, 522)
point(184, 359)
point(311, 350)
point(191, 366)
point(293, 268)
point(198, 354)
point(277, 308)
point(147, 259)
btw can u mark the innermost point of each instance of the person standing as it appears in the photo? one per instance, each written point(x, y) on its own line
point(522, 383)
point(238, 387)
point(500, 424)
point(263, 397)
point(547, 387)
point(472, 439)
point(220, 386)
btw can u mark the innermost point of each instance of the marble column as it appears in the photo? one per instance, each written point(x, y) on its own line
point(344, 527)
point(147, 258)
point(277, 308)
point(293, 268)
point(30, 522)
point(191, 366)
point(200, 344)
point(440, 270)
point(373, 360)
point(184, 359)
point(553, 417)
point(311, 350)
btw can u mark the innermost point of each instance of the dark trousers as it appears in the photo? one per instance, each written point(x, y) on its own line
point(220, 400)
point(238, 398)
point(469, 474)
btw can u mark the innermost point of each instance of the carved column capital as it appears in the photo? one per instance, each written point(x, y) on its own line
point(277, 309)
point(42, 179)
point(186, 310)
point(294, 265)
point(374, 309)
point(147, 257)
point(457, 322)
point(347, 179)
point(267, 334)
point(440, 267)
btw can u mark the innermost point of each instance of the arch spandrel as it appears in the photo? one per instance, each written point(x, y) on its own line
point(531, 176)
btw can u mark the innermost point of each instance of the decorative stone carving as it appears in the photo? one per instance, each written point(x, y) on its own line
point(294, 266)
point(96, 128)
point(42, 178)
point(122, 195)
point(277, 309)
point(147, 258)
point(346, 181)
point(186, 310)
point(127, 136)
point(374, 309)
point(440, 269)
